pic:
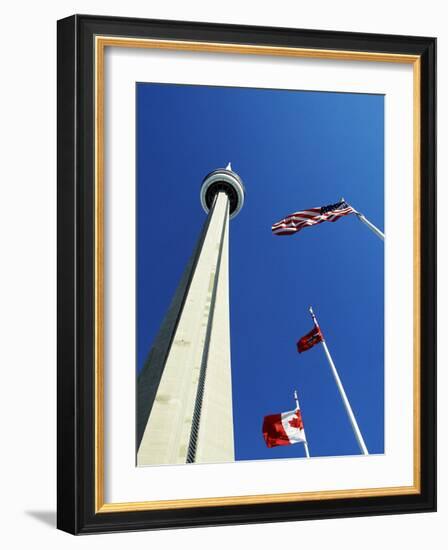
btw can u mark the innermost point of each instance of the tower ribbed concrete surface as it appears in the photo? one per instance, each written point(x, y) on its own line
point(184, 392)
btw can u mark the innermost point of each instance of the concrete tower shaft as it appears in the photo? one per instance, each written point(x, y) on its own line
point(184, 392)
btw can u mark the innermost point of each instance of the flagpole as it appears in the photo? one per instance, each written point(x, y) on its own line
point(305, 443)
point(356, 430)
point(365, 221)
point(370, 225)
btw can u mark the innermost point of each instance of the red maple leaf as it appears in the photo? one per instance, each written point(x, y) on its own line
point(296, 422)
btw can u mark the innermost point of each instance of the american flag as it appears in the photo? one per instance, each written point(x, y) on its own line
point(295, 222)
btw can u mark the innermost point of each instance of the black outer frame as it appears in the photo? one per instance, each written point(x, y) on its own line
point(75, 172)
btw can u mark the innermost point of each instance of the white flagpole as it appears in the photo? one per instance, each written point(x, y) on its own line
point(305, 443)
point(364, 220)
point(370, 225)
point(356, 430)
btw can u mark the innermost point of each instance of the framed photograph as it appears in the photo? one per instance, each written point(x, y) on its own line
point(227, 352)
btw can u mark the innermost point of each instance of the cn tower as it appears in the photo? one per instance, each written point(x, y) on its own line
point(184, 391)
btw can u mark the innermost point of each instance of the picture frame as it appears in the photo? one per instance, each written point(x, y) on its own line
point(82, 194)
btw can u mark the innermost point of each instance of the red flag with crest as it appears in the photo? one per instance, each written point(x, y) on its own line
point(309, 340)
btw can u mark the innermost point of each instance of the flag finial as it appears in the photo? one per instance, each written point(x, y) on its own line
point(313, 316)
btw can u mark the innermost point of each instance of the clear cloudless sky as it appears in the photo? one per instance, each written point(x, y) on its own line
point(294, 150)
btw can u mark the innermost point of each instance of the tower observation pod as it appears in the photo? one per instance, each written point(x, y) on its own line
point(184, 391)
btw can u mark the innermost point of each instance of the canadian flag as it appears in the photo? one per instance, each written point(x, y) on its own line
point(283, 429)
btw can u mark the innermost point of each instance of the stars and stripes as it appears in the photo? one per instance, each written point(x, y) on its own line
point(305, 218)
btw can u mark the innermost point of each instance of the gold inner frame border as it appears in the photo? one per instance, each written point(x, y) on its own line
point(100, 44)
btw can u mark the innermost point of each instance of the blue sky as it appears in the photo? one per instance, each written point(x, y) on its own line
point(294, 150)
